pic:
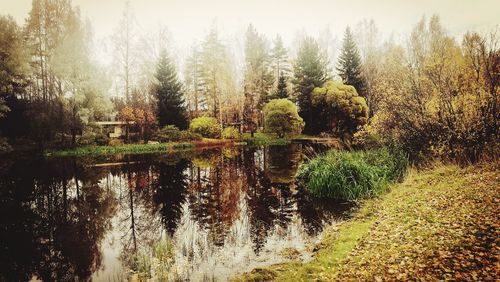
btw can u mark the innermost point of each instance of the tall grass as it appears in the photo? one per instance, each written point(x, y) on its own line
point(355, 174)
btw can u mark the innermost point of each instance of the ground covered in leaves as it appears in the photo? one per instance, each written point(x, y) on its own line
point(439, 224)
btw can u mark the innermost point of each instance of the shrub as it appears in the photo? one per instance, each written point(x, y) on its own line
point(87, 138)
point(353, 175)
point(366, 139)
point(169, 133)
point(187, 135)
point(101, 139)
point(230, 133)
point(281, 117)
point(115, 142)
point(205, 126)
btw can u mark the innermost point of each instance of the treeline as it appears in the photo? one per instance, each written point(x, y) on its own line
point(430, 93)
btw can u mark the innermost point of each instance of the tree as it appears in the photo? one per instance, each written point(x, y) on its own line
point(168, 92)
point(66, 89)
point(439, 97)
point(371, 56)
point(258, 77)
point(281, 91)
point(281, 117)
point(124, 40)
point(344, 109)
point(192, 80)
point(13, 62)
point(349, 65)
point(216, 74)
point(279, 58)
point(310, 71)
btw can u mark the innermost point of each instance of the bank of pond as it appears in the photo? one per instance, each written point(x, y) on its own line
point(188, 214)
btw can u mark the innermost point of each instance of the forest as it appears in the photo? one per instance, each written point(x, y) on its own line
point(249, 133)
point(432, 93)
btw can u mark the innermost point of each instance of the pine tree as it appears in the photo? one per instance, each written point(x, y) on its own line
point(281, 91)
point(168, 92)
point(193, 82)
point(258, 80)
point(279, 58)
point(349, 65)
point(310, 71)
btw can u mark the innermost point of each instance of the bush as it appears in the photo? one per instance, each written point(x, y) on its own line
point(231, 133)
point(187, 135)
point(115, 142)
point(366, 139)
point(281, 117)
point(205, 126)
point(101, 139)
point(353, 175)
point(169, 133)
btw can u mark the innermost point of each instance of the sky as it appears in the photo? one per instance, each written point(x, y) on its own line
point(190, 20)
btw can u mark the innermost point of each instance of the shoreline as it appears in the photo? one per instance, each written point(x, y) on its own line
point(434, 216)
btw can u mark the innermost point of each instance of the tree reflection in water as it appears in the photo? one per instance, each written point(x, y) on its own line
point(221, 210)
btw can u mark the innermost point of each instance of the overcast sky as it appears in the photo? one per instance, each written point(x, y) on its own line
point(189, 20)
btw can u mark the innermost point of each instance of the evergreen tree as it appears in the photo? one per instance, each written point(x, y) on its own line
point(193, 82)
point(258, 80)
point(281, 91)
point(310, 71)
point(216, 74)
point(279, 58)
point(168, 92)
point(349, 66)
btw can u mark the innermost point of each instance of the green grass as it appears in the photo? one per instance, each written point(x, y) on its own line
point(351, 175)
point(123, 149)
point(260, 139)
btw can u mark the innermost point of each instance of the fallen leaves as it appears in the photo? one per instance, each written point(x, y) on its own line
point(446, 229)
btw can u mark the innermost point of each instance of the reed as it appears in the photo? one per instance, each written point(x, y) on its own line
point(351, 175)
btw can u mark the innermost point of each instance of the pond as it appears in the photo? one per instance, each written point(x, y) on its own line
point(194, 215)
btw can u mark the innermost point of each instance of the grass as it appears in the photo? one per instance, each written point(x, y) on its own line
point(136, 148)
point(260, 139)
point(351, 175)
point(439, 224)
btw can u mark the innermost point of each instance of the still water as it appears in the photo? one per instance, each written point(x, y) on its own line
point(197, 215)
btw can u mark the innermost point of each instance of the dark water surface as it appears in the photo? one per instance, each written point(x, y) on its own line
point(198, 215)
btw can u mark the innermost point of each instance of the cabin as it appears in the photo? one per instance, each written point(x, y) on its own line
point(114, 129)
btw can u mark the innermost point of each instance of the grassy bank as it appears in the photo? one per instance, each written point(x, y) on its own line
point(351, 175)
point(137, 148)
point(438, 224)
point(260, 139)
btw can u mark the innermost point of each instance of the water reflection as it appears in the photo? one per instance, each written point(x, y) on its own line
point(220, 211)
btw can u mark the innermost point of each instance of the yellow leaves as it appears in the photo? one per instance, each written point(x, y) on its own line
point(127, 114)
point(450, 246)
point(137, 115)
